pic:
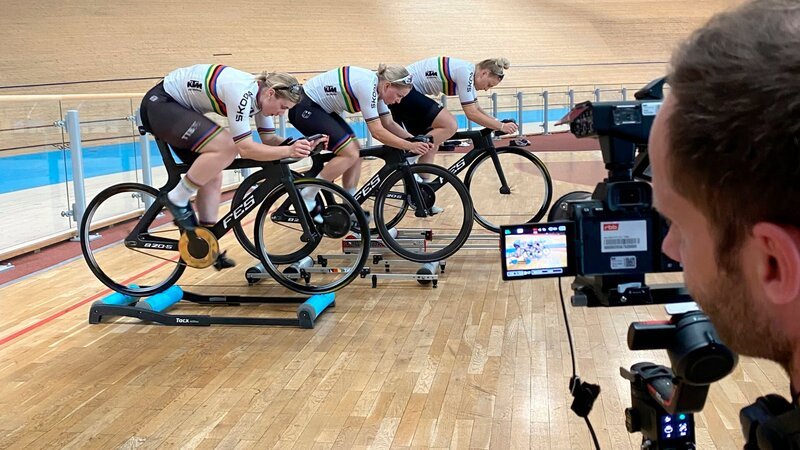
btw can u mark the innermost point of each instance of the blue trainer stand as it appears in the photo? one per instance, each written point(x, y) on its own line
point(152, 309)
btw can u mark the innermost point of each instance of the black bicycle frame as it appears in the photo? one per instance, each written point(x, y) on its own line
point(481, 143)
point(393, 160)
point(274, 173)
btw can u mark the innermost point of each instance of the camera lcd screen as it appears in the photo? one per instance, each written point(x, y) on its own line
point(537, 250)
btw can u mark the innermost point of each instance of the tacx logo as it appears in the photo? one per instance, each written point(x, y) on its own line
point(242, 106)
point(194, 85)
point(610, 226)
point(431, 73)
point(330, 89)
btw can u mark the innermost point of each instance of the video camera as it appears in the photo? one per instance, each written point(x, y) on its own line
point(610, 238)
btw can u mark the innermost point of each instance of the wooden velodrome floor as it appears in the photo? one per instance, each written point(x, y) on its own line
point(475, 363)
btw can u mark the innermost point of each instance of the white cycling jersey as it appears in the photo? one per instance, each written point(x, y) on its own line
point(443, 75)
point(348, 88)
point(223, 90)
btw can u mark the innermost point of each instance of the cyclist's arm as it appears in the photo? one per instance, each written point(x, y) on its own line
point(393, 127)
point(250, 149)
point(387, 137)
point(372, 111)
point(476, 114)
point(271, 139)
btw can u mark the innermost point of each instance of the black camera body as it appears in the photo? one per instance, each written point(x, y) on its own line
point(613, 235)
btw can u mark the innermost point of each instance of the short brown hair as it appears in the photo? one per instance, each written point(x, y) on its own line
point(735, 130)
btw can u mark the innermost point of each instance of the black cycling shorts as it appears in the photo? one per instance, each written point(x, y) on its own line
point(415, 112)
point(184, 129)
point(309, 119)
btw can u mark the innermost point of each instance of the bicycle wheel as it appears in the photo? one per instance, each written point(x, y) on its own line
point(296, 264)
point(424, 236)
point(113, 215)
point(530, 188)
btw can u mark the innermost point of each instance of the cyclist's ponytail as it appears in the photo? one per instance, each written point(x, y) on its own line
point(495, 65)
point(285, 85)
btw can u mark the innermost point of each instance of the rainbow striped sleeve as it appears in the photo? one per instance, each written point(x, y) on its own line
point(448, 84)
point(350, 100)
point(211, 89)
point(241, 137)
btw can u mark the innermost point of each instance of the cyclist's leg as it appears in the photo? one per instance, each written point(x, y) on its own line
point(443, 127)
point(309, 118)
point(197, 140)
point(207, 203)
point(419, 115)
point(209, 159)
point(351, 160)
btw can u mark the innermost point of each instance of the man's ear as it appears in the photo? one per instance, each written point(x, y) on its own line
point(777, 258)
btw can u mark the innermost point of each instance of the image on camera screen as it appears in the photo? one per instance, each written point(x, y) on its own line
point(533, 251)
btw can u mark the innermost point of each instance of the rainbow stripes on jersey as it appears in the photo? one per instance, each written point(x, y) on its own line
point(448, 84)
point(350, 101)
point(211, 89)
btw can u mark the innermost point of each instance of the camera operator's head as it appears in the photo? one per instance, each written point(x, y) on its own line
point(725, 155)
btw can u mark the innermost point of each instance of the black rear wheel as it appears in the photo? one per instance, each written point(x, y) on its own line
point(292, 261)
point(147, 262)
point(436, 224)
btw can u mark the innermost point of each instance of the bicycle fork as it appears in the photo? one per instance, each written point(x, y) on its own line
point(415, 193)
point(303, 214)
point(504, 189)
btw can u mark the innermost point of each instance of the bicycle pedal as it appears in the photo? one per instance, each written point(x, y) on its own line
point(223, 262)
point(521, 142)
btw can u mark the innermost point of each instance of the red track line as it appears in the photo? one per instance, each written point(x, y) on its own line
point(75, 306)
point(36, 325)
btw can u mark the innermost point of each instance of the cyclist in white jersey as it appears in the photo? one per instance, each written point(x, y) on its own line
point(352, 89)
point(450, 76)
point(174, 111)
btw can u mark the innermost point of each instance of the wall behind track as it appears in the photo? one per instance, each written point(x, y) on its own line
point(46, 42)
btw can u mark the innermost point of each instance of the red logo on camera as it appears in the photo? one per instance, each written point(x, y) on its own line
point(610, 226)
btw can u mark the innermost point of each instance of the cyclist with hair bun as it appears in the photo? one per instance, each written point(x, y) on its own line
point(174, 111)
point(450, 76)
point(352, 89)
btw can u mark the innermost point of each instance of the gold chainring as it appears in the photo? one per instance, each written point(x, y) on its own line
point(204, 248)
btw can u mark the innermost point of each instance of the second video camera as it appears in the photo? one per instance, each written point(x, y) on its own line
point(611, 237)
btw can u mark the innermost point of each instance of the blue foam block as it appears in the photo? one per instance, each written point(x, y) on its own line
point(316, 304)
point(119, 299)
point(163, 300)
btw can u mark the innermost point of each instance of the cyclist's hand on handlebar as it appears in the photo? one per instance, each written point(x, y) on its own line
point(299, 149)
point(420, 148)
point(509, 127)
